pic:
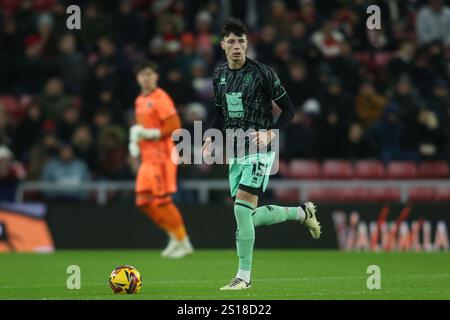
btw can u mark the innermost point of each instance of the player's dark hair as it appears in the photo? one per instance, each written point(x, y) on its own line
point(144, 65)
point(234, 25)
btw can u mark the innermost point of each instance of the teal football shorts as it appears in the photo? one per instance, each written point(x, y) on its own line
point(250, 173)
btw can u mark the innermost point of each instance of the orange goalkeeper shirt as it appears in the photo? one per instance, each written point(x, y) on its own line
point(151, 111)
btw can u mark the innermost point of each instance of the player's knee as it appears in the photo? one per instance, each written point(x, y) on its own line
point(143, 199)
point(247, 196)
point(161, 201)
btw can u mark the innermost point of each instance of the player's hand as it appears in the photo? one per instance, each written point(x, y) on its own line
point(134, 150)
point(150, 133)
point(135, 133)
point(206, 148)
point(262, 138)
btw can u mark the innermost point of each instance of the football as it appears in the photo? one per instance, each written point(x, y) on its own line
point(125, 280)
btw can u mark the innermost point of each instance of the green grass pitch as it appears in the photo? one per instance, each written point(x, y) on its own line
point(277, 274)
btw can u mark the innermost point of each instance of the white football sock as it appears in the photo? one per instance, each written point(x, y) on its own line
point(244, 275)
point(301, 214)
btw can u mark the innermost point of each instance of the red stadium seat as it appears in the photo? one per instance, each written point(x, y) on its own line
point(434, 170)
point(442, 194)
point(401, 170)
point(42, 5)
point(354, 195)
point(323, 195)
point(304, 169)
point(287, 195)
point(384, 194)
point(369, 169)
point(337, 169)
point(339, 195)
point(283, 168)
point(421, 194)
point(9, 6)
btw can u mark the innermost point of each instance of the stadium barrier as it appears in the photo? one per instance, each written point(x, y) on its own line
point(203, 188)
point(348, 227)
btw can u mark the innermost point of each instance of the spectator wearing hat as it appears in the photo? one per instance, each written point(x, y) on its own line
point(328, 40)
point(188, 54)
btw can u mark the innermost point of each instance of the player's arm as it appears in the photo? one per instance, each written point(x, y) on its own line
point(138, 132)
point(287, 112)
point(217, 122)
point(281, 98)
point(168, 126)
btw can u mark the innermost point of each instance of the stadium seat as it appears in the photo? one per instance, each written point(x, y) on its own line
point(339, 195)
point(283, 168)
point(442, 194)
point(9, 6)
point(337, 169)
point(323, 194)
point(369, 169)
point(433, 170)
point(42, 5)
point(353, 195)
point(304, 169)
point(421, 194)
point(402, 170)
point(287, 195)
point(384, 194)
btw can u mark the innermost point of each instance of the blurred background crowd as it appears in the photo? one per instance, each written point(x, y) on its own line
point(67, 96)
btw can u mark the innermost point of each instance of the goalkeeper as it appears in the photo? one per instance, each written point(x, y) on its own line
point(156, 119)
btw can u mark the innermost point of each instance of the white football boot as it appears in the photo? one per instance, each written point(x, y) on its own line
point(311, 221)
point(182, 249)
point(171, 246)
point(237, 284)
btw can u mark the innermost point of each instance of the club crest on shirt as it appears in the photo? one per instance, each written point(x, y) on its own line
point(247, 80)
point(149, 104)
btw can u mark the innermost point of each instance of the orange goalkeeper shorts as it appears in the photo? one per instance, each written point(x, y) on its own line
point(156, 179)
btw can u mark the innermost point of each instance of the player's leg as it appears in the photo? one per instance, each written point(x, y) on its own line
point(272, 214)
point(150, 206)
point(152, 200)
point(305, 213)
point(246, 200)
point(179, 243)
point(180, 237)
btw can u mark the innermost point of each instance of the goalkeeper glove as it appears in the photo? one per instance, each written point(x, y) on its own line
point(151, 134)
point(134, 150)
point(135, 133)
point(138, 132)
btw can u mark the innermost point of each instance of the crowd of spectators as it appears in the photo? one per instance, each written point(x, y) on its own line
point(67, 96)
